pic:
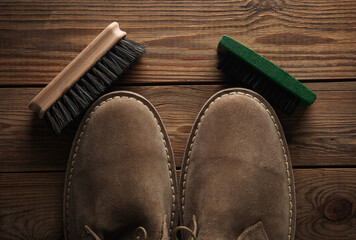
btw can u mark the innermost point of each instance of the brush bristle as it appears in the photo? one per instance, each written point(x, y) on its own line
point(93, 84)
point(251, 78)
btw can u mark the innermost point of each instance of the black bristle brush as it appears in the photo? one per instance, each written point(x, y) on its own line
point(87, 77)
point(280, 89)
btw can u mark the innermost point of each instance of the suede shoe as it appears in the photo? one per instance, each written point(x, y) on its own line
point(237, 180)
point(120, 180)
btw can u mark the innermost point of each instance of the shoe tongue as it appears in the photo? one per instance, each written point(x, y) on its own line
point(254, 232)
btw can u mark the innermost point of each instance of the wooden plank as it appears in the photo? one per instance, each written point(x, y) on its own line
point(324, 134)
point(321, 135)
point(326, 201)
point(31, 205)
point(310, 39)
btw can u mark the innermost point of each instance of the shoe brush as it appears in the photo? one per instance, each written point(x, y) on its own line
point(87, 77)
point(255, 72)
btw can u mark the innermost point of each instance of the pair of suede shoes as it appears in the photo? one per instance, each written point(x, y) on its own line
point(236, 180)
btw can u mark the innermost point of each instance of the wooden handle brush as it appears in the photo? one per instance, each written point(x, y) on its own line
point(87, 77)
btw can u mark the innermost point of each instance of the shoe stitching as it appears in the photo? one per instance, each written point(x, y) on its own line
point(281, 142)
point(77, 146)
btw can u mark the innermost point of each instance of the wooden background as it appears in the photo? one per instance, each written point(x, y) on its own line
point(314, 40)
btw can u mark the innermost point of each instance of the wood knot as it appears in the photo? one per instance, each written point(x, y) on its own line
point(337, 209)
point(265, 6)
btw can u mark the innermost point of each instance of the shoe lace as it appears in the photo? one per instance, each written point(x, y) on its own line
point(143, 234)
point(192, 233)
point(180, 228)
point(88, 233)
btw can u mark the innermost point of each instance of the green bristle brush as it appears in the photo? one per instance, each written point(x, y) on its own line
point(279, 88)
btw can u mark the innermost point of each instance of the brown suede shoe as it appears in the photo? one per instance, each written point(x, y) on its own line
point(237, 180)
point(120, 181)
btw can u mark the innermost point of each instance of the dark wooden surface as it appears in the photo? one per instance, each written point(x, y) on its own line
point(313, 40)
point(326, 199)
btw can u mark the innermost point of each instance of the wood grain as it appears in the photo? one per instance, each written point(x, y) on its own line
point(313, 40)
point(326, 200)
point(31, 205)
point(310, 39)
point(321, 135)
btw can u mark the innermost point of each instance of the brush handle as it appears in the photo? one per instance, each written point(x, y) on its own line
point(76, 68)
